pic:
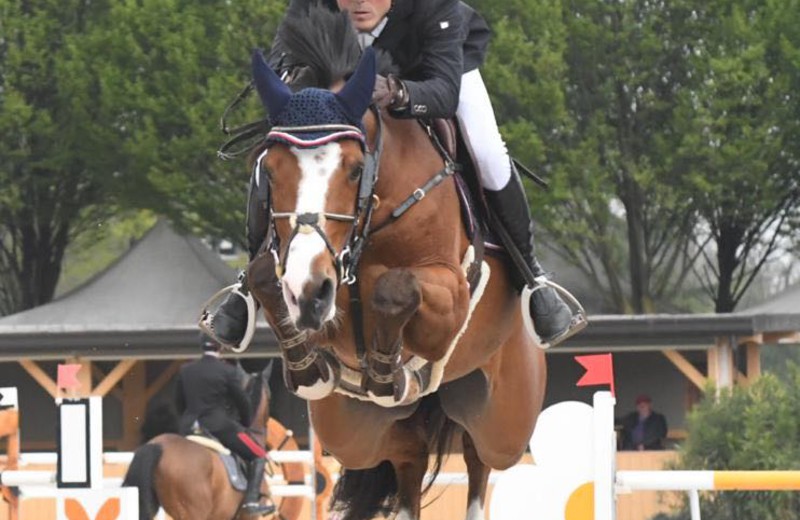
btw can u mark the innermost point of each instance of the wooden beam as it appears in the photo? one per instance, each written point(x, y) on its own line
point(100, 375)
point(113, 377)
point(162, 379)
point(782, 337)
point(686, 368)
point(755, 338)
point(40, 376)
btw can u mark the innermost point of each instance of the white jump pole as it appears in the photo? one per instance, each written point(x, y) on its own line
point(605, 449)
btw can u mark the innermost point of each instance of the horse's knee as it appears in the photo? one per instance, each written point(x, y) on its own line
point(397, 294)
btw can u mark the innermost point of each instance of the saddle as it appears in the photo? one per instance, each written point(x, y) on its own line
point(474, 208)
point(235, 467)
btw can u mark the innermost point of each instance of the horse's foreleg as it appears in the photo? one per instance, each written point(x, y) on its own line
point(478, 480)
point(395, 298)
point(306, 371)
point(420, 309)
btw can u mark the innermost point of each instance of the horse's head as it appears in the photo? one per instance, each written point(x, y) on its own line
point(313, 162)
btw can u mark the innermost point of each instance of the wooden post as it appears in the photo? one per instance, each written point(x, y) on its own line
point(753, 361)
point(134, 404)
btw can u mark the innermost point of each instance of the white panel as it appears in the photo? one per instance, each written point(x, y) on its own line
point(74, 445)
point(9, 398)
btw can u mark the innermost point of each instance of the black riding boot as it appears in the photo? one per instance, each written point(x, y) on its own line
point(255, 475)
point(229, 323)
point(552, 317)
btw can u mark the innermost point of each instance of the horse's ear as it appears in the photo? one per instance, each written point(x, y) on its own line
point(356, 95)
point(274, 93)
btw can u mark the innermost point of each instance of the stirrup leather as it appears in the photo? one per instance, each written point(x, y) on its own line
point(206, 316)
point(577, 324)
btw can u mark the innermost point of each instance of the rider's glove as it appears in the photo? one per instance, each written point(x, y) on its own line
point(390, 93)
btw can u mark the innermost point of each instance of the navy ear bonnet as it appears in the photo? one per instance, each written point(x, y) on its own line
point(314, 117)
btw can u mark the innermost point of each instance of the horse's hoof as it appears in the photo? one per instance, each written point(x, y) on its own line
point(314, 382)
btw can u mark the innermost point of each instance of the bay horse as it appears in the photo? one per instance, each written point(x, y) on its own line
point(361, 280)
point(188, 479)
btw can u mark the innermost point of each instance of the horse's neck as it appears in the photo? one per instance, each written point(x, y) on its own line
point(260, 407)
point(408, 161)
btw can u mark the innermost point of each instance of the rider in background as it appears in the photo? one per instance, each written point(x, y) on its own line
point(208, 392)
point(438, 46)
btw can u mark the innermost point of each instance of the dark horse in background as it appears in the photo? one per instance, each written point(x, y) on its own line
point(434, 365)
point(188, 479)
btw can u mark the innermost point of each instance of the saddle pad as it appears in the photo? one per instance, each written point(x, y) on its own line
point(235, 472)
point(233, 467)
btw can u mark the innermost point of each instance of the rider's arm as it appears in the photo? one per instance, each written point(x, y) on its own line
point(239, 398)
point(436, 95)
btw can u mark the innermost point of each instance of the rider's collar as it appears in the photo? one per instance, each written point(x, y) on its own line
point(365, 39)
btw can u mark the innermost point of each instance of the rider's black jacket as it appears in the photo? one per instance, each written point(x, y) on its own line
point(433, 42)
point(209, 391)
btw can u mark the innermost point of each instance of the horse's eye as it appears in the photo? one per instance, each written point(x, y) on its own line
point(356, 172)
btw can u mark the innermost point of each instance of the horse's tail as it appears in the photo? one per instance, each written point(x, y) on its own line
point(441, 430)
point(365, 493)
point(140, 475)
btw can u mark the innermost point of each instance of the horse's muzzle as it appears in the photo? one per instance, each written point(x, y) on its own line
point(315, 304)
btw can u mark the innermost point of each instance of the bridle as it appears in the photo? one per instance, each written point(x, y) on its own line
point(346, 260)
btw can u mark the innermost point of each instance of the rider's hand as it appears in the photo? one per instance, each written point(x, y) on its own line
point(390, 93)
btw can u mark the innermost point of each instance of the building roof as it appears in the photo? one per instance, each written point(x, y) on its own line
point(144, 304)
point(786, 302)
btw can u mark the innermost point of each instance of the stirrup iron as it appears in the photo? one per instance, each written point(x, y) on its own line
point(578, 323)
point(206, 316)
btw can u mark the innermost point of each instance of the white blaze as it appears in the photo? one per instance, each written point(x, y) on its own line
point(317, 166)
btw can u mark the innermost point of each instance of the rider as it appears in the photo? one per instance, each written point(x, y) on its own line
point(206, 389)
point(438, 46)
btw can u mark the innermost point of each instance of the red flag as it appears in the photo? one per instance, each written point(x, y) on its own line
point(67, 376)
point(599, 370)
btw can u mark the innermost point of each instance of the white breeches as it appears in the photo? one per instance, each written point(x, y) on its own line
point(479, 128)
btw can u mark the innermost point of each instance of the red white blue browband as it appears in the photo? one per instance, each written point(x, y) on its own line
point(314, 135)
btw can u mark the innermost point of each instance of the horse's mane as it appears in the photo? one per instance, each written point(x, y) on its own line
point(326, 42)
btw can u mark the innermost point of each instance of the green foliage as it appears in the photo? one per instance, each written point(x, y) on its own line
point(653, 121)
point(110, 105)
point(738, 155)
point(754, 428)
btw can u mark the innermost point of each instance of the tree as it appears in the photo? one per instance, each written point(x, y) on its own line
point(115, 104)
point(610, 100)
point(738, 154)
point(51, 170)
point(173, 66)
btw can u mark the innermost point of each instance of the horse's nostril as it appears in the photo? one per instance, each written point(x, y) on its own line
point(325, 292)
